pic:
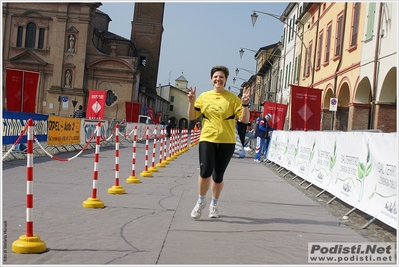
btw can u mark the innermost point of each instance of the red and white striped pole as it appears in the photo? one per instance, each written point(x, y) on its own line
point(116, 189)
point(93, 201)
point(29, 243)
point(154, 148)
point(162, 136)
point(165, 149)
point(146, 172)
point(133, 179)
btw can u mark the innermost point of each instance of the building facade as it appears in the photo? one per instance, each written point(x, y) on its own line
point(349, 51)
point(54, 54)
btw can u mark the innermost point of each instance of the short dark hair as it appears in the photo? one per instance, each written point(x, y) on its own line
point(224, 69)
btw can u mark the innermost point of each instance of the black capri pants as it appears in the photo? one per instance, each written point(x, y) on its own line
point(214, 158)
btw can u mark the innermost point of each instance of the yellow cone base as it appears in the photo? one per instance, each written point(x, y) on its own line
point(152, 169)
point(160, 164)
point(169, 158)
point(146, 174)
point(133, 180)
point(28, 244)
point(165, 162)
point(116, 189)
point(94, 203)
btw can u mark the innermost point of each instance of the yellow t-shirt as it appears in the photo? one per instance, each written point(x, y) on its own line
point(219, 111)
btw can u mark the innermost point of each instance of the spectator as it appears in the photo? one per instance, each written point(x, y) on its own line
point(80, 113)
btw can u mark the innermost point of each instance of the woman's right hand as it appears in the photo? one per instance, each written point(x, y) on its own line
point(191, 94)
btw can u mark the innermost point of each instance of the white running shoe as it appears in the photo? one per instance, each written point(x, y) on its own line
point(257, 161)
point(213, 211)
point(196, 212)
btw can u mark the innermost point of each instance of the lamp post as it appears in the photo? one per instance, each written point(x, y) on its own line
point(250, 71)
point(241, 51)
point(235, 78)
point(254, 17)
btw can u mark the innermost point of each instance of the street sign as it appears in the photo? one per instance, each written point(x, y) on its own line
point(333, 104)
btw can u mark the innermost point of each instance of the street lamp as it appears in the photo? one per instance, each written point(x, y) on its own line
point(254, 17)
point(234, 79)
point(250, 71)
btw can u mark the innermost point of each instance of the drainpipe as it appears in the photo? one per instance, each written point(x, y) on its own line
point(376, 67)
point(339, 64)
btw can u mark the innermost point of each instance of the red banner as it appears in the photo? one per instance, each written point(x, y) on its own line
point(96, 105)
point(132, 111)
point(278, 112)
point(305, 108)
point(21, 88)
point(30, 88)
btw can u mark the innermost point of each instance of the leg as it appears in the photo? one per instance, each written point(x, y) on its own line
point(258, 148)
point(206, 160)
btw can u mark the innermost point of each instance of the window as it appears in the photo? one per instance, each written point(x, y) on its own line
point(293, 28)
point(370, 20)
point(319, 50)
point(30, 35)
point(20, 32)
point(338, 38)
point(170, 107)
point(295, 69)
point(110, 98)
point(172, 98)
point(328, 44)
point(355, 24)
point(41, 38)
point(286, 76)
point(283, 38)
point(308, 60)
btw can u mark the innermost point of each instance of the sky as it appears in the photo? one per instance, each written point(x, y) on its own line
point(200, 35)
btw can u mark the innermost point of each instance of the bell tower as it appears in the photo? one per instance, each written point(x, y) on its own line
point(147, 29)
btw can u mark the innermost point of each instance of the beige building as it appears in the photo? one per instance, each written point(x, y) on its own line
point(178, 102)
point(54, 54)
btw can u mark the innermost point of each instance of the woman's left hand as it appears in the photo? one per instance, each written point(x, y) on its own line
point(245, 95)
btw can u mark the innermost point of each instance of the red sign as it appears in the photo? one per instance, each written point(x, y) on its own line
point(305, 108)
point(278, 112)
point(96, 105)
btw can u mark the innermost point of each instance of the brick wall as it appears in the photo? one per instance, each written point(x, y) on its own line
point(385, 118)
point(358, 117)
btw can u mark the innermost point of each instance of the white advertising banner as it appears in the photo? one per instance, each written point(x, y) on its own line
point(360, 168)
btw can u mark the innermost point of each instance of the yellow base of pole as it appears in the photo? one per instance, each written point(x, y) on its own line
point(146, 174)
point(28, 244)
point(95, 203)
point(116, 189)
point(133, 180)
point(166, 162)
point(152, 169)
point(160, 164)
point(169, 158)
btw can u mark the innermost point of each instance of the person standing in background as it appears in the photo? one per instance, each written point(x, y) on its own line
point(80, 113)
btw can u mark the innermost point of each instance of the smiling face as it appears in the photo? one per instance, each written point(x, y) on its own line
point(218, 79)
point(219, 76)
